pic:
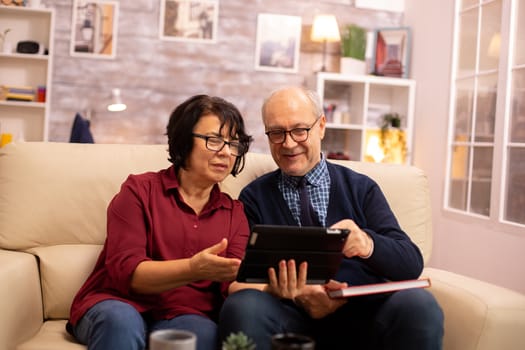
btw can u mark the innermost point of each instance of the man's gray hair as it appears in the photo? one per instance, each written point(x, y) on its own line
point(311, 95)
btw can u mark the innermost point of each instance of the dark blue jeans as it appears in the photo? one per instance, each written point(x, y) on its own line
point(405, 320)
point(115, 325)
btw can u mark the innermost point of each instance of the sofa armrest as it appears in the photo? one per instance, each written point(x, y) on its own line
point(478, 315)
point(20, 298)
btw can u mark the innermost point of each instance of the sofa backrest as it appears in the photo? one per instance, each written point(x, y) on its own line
point(53, 200)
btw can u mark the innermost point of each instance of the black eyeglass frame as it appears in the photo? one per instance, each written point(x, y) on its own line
point(237, 150)
point(290, 132)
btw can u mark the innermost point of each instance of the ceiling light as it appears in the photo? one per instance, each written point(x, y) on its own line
point(116, 105)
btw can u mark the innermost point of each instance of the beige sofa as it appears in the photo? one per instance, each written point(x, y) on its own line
point(53, 199)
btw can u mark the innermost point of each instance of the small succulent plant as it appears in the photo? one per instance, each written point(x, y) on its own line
point(391, 120)
point(238, 341)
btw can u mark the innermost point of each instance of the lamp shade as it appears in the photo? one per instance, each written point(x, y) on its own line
point(116, 104)
point(325, 28)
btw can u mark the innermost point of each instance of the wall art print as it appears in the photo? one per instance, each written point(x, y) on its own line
point(278, 42)
point(392, 52)
point(189, 20)
point(94, 28)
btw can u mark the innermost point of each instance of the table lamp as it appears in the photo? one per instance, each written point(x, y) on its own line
point(325, 29)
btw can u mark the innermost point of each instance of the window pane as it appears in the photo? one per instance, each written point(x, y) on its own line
point(490, 36)
point(515, 198)
point(517, 126)
point(519, 57)
point(481, 180)
point(464, 103)
point(468, 31)
point(468, 3)
point(459, 175)
point(486, 108)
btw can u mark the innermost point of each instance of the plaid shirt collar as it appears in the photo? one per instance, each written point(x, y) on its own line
point(319, 180)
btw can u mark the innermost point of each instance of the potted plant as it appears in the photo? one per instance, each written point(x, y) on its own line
point(391, 120)
point(353, 49)
point(238, 341)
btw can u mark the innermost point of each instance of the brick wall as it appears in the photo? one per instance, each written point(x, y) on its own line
point(155, 75)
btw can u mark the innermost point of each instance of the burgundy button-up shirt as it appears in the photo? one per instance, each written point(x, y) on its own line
point(148, 220)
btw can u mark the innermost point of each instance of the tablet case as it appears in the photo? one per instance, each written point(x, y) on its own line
point(268, 244)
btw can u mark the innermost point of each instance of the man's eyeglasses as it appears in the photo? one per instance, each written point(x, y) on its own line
point(214, 143)
point(297, 134)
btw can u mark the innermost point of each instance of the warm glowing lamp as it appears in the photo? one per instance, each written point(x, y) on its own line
point(116, 104)
point(325, 29)
point(374, 149)
point(385, 146)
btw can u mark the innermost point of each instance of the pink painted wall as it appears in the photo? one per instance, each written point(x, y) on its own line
point(475, 247)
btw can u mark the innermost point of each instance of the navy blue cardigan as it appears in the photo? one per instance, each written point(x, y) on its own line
point(352, 196)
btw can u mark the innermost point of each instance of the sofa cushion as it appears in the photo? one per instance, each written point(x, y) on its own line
point(406, 189)
point(68, 212)
point(63, 270)
point(20, 298)
point(478, 315)
point(52, 336)
point(62, 190)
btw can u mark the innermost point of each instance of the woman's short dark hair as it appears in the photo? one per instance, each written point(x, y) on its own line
point(186, 115)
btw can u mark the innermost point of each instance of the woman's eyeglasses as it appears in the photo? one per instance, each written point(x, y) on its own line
point(216, 144)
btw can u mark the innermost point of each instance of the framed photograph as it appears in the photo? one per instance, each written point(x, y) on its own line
point(189, 20)
point(94, 28)
point(277, 44)
point(392, 52)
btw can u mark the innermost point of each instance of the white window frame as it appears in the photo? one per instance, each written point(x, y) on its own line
point(500, 142)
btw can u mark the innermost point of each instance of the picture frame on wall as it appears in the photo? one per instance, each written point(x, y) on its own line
point(277, 43)
point(189, 20)
point(391, 56)
point(94, 29)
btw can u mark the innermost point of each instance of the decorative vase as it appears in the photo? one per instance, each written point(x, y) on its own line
point(351, 65)
point(7, 47)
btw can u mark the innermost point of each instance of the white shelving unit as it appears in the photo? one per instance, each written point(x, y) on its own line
point(360, 102)
point(26, 120)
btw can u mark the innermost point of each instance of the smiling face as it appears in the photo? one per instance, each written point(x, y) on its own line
point(288, 109)
point(205, 167)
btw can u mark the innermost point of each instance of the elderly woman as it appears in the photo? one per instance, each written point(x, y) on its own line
point(174, 240)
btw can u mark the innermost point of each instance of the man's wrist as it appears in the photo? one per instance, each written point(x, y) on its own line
point(371, 251)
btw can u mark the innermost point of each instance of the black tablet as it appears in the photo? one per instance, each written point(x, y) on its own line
point(321, 247)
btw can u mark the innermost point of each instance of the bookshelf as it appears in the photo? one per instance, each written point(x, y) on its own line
point(355, 106)
point(26, 120)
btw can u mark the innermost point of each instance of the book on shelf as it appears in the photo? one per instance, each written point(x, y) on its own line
point(19, 97)
point(385, 287)
point(17, 93)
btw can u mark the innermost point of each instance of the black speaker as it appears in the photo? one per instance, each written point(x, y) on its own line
point(29, 47)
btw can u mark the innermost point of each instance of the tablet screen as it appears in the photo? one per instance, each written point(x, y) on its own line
point(268, 244)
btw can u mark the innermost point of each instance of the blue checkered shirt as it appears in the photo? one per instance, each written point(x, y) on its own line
point(318, 189)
